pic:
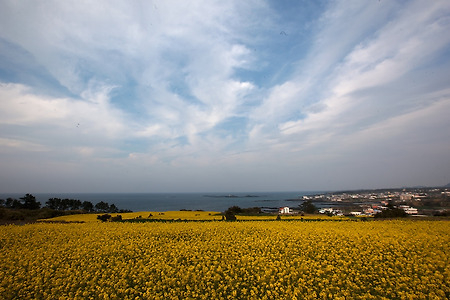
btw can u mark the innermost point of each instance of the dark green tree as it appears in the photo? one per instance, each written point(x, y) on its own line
point(308, 207)
point(29, 202)
point(88, 206)
point(113, 209)
point(13, 203)
point(9, 202)
point(72, 204)
point(53, 203)
point(229, 216)
point(390, 205)
point(234, 210)
point(102, 206)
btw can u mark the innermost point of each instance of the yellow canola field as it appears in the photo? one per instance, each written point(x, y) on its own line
point(168, 215)
point(226, 260)
point(185, 215)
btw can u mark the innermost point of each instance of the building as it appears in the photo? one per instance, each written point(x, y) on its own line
point(331, 211)
point(409, 210)
point(285, 210)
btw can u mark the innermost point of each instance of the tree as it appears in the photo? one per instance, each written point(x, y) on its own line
point(72, 204)
point(113, 209)
point(14, 204)
point(9, 202)
point(390, 205)
point(102, 206)
point(233, 210)
point(29, 202)
point(53, 203)
point(88, 206)
point(229, 216)
point(308, 207)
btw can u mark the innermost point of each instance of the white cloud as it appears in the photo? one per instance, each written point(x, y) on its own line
point(8, 145)
point(58, 121)
point(401, 46)
point(373, 64)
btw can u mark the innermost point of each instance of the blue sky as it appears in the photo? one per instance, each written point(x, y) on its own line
point(199, 96)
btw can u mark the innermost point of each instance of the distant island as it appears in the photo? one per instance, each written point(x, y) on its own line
point(231, 196)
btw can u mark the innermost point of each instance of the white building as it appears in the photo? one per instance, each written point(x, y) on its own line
point(409, 210)
point(285, 210)
point(330, 210)
point(355, 213)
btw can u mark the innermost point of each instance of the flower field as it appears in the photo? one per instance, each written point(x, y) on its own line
point(187, 215)
point(226, 260)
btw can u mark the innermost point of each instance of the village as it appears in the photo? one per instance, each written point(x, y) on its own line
point(413, 201)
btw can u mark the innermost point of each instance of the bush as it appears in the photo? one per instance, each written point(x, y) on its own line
point(230, 216)
point(391, 213)
point(104, 217)
point(443, 213)
point(116, 218)
point(233, 210)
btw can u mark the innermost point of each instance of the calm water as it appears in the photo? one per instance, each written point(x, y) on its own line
point(177, 201)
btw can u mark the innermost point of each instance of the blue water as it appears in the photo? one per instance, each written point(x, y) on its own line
point(176, 201)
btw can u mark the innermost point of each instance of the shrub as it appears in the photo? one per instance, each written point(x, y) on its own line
point(116, 218)
point(104, 217)
point(230, 216)
point(391, 213)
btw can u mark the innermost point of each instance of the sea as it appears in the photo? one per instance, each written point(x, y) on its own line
point(180, 201)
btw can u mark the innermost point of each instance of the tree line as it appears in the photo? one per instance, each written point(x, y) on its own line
point(29, 202)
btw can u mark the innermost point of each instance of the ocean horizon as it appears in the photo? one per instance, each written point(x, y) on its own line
point(178, 201)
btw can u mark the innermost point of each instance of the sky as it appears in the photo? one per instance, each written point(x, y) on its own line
point(218, 96)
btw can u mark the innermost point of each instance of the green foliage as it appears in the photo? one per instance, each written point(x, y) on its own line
point(104, 217)
point(27, 209)
point(26, 202)
point(29, 202)
point(15, 204)
point(247, 211)
point(308, 207)
point(87, 206)
point(442, 213)
point(233, 210)
point(102, 206)
point(391, 213)
point(230, 216)
point(21, 215)
point(116, 218)
point(113, 209)
point(251, 210)
point(63, 204)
